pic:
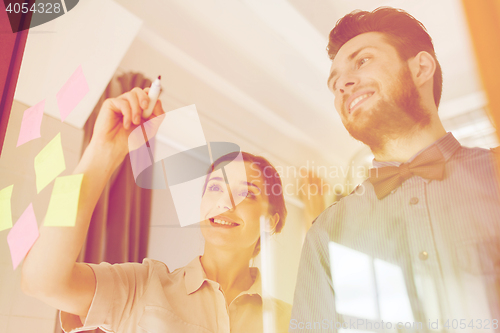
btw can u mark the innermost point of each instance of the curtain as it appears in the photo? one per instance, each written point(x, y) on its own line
point(11, 55)
point(119, 227)
point(483, 18)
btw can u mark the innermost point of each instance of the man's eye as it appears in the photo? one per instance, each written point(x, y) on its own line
point(362, 61)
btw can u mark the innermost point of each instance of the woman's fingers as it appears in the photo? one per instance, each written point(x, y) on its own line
point(146, 92)
point(136, 98)
point(143, 97)
point(122, 106)
point(158, 110)
point(154, 121)
point(130, 106)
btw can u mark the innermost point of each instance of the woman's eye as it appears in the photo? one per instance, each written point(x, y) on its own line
point(247, 194)
point(215, 188)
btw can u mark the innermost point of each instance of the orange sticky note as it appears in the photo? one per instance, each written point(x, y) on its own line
point(63, 205)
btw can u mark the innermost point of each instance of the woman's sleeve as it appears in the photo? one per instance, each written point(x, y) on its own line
point(117, 289)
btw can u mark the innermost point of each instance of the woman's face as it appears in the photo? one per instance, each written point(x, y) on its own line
point(234, 224)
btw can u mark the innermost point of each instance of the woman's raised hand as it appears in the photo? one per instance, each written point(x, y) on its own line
point(71, 286)
point(119, 116)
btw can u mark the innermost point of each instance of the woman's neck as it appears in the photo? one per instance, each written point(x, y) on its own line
point(230, 269)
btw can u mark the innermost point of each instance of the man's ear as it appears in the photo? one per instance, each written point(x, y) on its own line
point(422, 67)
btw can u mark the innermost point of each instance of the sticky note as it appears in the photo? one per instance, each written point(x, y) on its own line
point(30, 125)
point(5, 212)
point(63, 205)
point(71, 93)
point(22, 236)
point(49, 163)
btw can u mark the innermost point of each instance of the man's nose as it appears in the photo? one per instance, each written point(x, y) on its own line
point(347, 83)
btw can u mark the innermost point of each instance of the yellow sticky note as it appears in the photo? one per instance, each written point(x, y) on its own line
point(5, 212)
point(63, 205)
point(49, 163)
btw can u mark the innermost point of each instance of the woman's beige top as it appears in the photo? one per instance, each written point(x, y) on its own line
point(147, 297)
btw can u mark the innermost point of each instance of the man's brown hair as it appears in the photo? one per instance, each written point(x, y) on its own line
point(405, 33)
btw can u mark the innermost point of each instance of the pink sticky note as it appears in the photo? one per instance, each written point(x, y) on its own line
point(22, 236)
point(72, 93)
point(30, 126)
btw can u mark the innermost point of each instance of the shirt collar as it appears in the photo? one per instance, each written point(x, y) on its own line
point(194, 276)
point(447, 144)
point(256, 287)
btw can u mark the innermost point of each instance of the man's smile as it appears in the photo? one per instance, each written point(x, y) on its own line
point(357, 99)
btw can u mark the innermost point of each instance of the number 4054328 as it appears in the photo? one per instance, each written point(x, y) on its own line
point(47, 8)
point(471, 324)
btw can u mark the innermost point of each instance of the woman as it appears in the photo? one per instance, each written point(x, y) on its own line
point(217, 292)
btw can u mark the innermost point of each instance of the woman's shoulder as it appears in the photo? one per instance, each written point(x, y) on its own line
point(281, 306)
point(130, 270)
point(161, 269)
point(277, 305)
point(157, 265)
point(282, 312)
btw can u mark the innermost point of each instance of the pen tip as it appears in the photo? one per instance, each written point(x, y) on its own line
point(159, 77)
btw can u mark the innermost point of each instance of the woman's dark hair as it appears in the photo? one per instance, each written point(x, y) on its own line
point(272, 181)
point(405, 33)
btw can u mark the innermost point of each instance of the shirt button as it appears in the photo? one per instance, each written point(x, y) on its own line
point(414, 201)
point(423, 255)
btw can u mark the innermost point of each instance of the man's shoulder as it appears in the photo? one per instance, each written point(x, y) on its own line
point(325, 215)
point(362, 194)
point(475, 153)
point(474, 162)
point(495, 150)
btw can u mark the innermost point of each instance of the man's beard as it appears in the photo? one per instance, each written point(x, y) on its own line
point(397, 118)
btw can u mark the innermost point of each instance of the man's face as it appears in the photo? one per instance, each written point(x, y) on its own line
point(375, 95)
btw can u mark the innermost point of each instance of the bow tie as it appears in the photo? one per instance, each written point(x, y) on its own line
point(429, 164)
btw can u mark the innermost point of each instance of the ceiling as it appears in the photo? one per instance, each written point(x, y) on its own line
point(268, 58)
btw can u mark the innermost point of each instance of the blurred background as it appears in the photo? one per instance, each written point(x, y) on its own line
point(256, 71)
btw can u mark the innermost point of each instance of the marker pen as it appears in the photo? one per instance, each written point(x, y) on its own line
point(154, 93)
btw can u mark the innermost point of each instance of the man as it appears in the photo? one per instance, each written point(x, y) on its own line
point(417, 245)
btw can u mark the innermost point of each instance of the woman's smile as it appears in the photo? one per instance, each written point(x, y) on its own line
point(223, 222)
